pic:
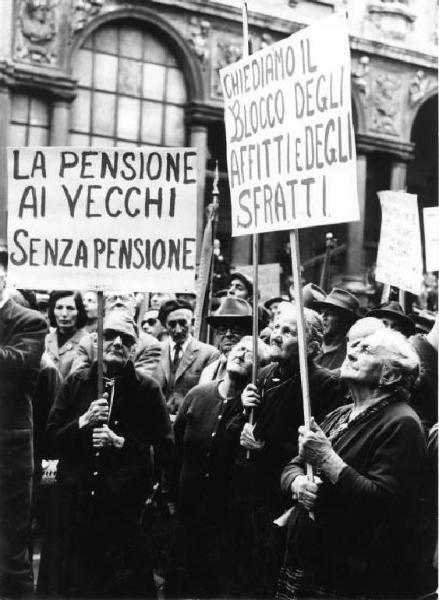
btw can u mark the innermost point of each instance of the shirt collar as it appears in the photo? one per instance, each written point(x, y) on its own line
point(183, 347)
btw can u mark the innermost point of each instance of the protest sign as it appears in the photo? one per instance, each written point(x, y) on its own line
point(431, 236)
point(109, 218)
point(268, 279)
point(399, 259)
point(290, 140)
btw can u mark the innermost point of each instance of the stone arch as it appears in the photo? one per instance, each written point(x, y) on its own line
point(164, 29)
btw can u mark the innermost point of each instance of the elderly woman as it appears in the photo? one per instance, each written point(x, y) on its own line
point(67, 316)
point(207, 433)
point(351, 533)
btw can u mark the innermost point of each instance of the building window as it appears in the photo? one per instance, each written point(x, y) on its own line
point(131, 91)
point(30, 120)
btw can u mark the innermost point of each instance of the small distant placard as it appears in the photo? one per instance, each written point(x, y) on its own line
point(431, 234)
point(399, 259)
point(113, 218)
point(268, 279)
point(290, 139)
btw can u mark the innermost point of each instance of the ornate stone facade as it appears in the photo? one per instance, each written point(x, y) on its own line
point(36, 29)
point(83, 11)
point(199, 39)
point(385, 104)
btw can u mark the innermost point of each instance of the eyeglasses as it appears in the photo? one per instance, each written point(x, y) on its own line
point(116, 297)
point(223, 329)
point(182, 322)
point(150, 322)
point(127, 340)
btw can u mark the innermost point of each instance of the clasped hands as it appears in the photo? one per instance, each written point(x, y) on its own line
point(96, 417)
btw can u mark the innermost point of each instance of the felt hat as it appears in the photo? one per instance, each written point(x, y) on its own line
point(340, 300)
point(394, 310)
point(120, 321)
point(270, 301)
point(311, 294)
point(231, 309)
point(423, 320)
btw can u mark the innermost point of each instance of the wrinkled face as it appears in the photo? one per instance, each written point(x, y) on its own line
point(283, 341)
point(240, 360)
point(124, 300)
point(151, 323)
point(364, 362)
point(158, 299)
point(331, 322)
point(117, 348)
point(237, 289)
point(66, 313)
point(392, 323)
point(179, 325)
point(228, 335)
point(90, 300)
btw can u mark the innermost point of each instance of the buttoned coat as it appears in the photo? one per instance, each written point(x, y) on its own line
point(194, 359)
point(63, 356)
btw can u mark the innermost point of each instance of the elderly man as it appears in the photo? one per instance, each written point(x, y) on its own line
point(22, 333)
point(340, 309)
point(277, 401)
point(104, 474)
point(394, 317)
point(230, 321)
point(147, 348)
point(182, 357)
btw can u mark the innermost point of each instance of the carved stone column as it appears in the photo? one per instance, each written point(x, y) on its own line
point(198, 139)
point(5, 117)
point(398, 175)
point(355, 239)
point(59, 125)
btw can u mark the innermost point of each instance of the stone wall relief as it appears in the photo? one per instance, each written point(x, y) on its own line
point(360, 75)
point(390, 19)
point(83, 11)
point(35, 32)
point(226, 53)
point(199, 39)
point(385, 104)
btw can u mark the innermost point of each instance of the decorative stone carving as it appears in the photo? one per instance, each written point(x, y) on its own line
point(266, 40)
point(417, 88)
point(199, 39)
point(83, 11)
point(391, 19)
point(385, 104)
point(36, 31)
point(360, 76)
point(227, 53)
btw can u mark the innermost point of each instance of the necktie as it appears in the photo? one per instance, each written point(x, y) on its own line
point(176, 358)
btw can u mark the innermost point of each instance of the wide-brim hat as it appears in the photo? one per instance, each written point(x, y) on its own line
point(247, 281)
point(394, 310)
point(271, 301)
point(341, 300)
point(424, 320)
point(232, 309)
point(311, 294)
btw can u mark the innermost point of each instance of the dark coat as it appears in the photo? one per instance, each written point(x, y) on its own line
point(361, 539)
point(278, 418)
point(425, 394)
point(102, 494)
point(22, 333)
point(196, 356)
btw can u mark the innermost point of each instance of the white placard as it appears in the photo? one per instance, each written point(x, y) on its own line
point(110, 218)
point(431, 235)
point(290, 140)
point(268, 279)
point(399, 259)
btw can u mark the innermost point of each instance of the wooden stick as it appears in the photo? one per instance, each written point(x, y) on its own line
point(301, 333)
point(100, 340)
point(401, 298)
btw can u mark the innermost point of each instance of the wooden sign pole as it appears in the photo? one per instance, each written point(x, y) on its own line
point(100, 333)
point(301, 333)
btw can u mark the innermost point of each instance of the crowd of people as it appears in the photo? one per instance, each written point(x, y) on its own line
point(185, 479)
